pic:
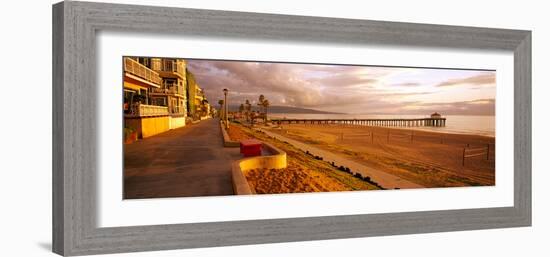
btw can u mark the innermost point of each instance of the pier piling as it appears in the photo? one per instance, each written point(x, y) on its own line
point(420, 122)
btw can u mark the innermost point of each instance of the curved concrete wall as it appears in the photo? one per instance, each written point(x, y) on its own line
point(227, 142)
point(277, 160)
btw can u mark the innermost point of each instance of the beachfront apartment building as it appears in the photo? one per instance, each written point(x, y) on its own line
point(138, 81)
point(198, 107)
point(172, 92)
point(155, 94)
point(140, 115)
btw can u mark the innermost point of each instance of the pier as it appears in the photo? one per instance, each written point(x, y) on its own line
point(435, 120)
point(420, 122)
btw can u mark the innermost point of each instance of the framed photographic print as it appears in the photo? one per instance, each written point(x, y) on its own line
point(183, 128)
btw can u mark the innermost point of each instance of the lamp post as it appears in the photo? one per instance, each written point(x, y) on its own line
point(225, 103)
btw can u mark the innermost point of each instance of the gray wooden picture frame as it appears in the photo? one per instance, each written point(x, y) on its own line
point(75, 25)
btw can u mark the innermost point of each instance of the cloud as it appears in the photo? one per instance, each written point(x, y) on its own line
point(289, 84)
point(473, 107)
point(346, 80)
point(342, 88)
point(478, 80)
point(407, 84)
point(401, 94)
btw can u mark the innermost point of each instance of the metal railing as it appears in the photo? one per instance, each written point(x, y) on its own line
point(133, 67)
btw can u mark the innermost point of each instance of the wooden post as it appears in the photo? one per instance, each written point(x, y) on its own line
point(463, 155)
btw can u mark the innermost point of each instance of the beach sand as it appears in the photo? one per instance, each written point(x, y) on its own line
point(429, 159)
point(303, 174)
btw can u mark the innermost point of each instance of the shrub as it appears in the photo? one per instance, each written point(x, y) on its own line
point(128, 131)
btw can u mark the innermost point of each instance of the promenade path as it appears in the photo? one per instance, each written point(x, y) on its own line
point(384, 179)
point(188, 161)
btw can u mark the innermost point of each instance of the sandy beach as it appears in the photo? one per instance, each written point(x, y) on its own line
point(426, 158)
point(303, 174)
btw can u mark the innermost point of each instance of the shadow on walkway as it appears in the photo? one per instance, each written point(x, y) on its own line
point(189, 161)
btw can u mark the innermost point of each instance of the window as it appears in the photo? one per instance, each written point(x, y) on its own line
point(169, 83)
point(175, 106)
point(128, 100)
point(168, 65)
point(145, 61)
point(159, 101)
point(143, 92)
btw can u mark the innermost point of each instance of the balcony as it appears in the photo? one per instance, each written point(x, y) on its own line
point(144, 110)
point(139, 70)
point(177, 110)
point(169, 91)
point(200, 96)
point(173, 66)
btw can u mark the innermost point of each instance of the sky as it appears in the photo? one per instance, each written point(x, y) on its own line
point(350, 89)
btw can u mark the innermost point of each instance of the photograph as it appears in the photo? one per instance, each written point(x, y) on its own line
point(199, 127)
point(220, 128)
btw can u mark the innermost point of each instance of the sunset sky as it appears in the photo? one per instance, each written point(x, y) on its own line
point(350, 89)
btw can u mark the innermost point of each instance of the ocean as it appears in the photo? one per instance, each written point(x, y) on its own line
point(458, 124)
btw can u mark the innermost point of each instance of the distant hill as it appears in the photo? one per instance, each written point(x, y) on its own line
point(284, 109)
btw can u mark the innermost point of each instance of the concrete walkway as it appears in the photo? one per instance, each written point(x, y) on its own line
point(188, 161)
point(384, 179)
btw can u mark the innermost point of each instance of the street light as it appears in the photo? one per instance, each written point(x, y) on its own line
point(225, 103)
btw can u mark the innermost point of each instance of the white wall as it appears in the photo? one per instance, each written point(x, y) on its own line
point(25, 161)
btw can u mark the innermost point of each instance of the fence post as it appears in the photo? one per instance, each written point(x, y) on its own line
point(463, 156)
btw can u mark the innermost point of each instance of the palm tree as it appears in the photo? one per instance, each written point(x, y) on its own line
point(263, 108)
point(261, 100)
point(241, 110)
point(248, 107)
point(265, 105)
